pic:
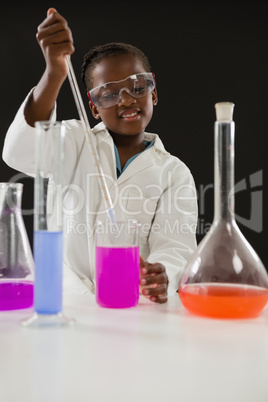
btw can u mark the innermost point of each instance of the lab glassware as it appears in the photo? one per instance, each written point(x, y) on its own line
point(48, 225)
point(117, 263)
point(225, 278)
point(16, 260)
point(90, 139)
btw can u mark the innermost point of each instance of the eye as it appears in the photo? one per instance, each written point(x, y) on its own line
point(108, 96)
point(139, 90)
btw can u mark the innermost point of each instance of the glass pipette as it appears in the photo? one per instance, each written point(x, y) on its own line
point(89, 138)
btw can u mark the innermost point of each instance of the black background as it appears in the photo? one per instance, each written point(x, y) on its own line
point(200, 52)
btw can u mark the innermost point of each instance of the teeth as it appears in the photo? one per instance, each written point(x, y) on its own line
point(130, 115)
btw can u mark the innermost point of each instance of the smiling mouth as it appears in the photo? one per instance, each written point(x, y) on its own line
point(131, 115)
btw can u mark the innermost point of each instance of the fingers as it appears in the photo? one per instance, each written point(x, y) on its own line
point(159, 299)
point(149, 269)
point(143, 263)
point(157, 294)
point(51, 10)
point(153, 281)
point(52, 18)
point(153, 274)
point(53, 31)
point(158, 290)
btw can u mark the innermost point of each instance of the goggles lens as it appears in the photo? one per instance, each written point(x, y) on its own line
point(108, 94)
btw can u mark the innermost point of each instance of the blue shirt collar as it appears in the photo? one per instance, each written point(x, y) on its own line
point(119, 170)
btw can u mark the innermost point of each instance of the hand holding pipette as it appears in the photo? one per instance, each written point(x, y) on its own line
point(55, 39)
point(88, 134)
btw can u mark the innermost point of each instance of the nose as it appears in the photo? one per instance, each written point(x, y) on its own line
point(125, 98)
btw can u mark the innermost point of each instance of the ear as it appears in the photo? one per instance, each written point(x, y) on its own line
point(154, 97)
point(94, 110)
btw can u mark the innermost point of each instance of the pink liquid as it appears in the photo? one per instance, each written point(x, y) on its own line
point(16, 295)
point(117, 276)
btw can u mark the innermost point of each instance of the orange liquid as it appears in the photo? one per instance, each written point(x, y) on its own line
point(224, 300)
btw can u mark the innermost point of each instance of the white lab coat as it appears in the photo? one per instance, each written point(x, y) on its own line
point(156, 188)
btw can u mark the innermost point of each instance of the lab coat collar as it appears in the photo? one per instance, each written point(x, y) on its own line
point(143, 161)
point(103, 135)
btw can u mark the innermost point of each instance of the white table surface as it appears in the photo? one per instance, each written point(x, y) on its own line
point(148, 353)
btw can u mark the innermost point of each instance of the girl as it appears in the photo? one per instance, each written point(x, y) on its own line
point(145, 182)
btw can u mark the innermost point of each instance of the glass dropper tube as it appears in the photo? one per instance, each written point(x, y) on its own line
point(225, 278)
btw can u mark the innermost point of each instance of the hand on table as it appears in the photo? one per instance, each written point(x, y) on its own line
point(153, 281)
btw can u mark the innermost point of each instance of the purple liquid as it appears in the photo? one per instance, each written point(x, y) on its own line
point(16, 295)
point(117, 276)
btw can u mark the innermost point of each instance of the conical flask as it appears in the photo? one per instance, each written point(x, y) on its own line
point(225, 278)
point(16, 259)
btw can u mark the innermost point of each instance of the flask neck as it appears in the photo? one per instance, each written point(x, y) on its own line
point(224, 171)
point(10, 197)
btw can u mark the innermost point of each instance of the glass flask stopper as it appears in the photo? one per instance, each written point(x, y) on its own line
point(224, 278)
point(16, 259)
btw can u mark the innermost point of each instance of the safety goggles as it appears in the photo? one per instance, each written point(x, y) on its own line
point(109, 94)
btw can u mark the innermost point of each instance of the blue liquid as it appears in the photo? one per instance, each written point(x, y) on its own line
point(48, 250)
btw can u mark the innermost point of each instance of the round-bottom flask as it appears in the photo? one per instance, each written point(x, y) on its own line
point(225, 278)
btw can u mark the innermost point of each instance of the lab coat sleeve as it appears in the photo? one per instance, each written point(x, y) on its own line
point(172, 237)
point(19, 146)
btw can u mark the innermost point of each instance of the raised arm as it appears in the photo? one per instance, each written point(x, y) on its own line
point(55, 39)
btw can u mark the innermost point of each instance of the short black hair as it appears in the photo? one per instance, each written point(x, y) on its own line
point(100, 52)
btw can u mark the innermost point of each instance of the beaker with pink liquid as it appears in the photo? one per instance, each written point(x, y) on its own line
point(117, 264)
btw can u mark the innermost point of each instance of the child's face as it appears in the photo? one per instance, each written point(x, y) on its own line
point(117, 118)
